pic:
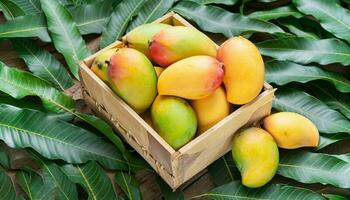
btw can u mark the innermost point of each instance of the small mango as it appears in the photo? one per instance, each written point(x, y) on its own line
point(212, 109)
point(244, 70)
point(159, 70)
point(191, 78)
point(100, 64)
point(292, 130)
point(140, 37)
point(174, 119)
point(132, 77)
point(179, 42)
point(256, 156)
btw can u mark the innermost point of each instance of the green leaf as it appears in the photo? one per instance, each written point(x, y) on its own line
point(129, 184)
point(43, 64)
point(92, 18)
point(297, 29)
point(276, 13)
point(4, 159)
point(11, 10)
point(167, 192)
point(52, 175)
point(283, 72)
point(150, 11)
point(19, 84)
point(217, 20)
point(333, 99)
point(65, 34)
point(225, 2)
point(120, 18)
point(335, 197)
point(307, 167)
point(54, 139)
point(25, 26)
point(223, 170)
point(306, 50)
point(32, 184)
point(326, 119)
point(7, 190)
point(331, 15)
point(93, 179)
point(28, 6)
point(236, 191)
point(326, 140)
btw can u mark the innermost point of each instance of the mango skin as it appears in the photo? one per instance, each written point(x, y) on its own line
point(244, 69)
point(140, 37)
point(256, 156)
point(179, 42)
point(292, 130)
point(191, 78)
point(174, 119)
point(212, 109)
point(132, 77)
point(159, 70)
point(100, 64)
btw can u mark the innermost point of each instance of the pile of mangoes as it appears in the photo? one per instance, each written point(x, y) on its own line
point(182, 84)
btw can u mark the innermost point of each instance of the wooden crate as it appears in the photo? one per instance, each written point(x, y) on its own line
point(175, 167)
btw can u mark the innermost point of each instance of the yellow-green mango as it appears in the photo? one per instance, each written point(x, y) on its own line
point(140, 37)
point(292, 130)
point(255, 153)
point(174, 120)
point(179, 42)
point(132, 77)
point(100, 64)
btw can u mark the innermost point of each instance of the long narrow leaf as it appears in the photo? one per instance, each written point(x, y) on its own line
point(120, 18)
point(326, 119)
point(331, 15)
point(217, 20)
point(223, 170)
point(43, 64)
point(326, 140)
point(225, 2)
point(65, 34)
point(11, 10)
point(129, 184)
point(7, 190)
point(335, 197)
point(21, 128)
point(283, 72)
point(28, 6)
point(93, 179)
point(306, 50)
point(4, 159)
point(276, 13)
point(167, 192)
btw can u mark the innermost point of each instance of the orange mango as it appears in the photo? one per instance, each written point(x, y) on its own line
point(100, 64)
point(159, 70)
point(179, 42)
point(244, 70)
point(191, 78)
point(292, 130)
point(132, 76)
point(212, 109)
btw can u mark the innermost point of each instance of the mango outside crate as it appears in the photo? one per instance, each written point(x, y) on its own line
point(175, 167)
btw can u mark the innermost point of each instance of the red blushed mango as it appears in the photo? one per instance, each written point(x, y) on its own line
point(191, 78)
point(132, 77)
point(99, 66)
point(244, 70)
point(179, 42)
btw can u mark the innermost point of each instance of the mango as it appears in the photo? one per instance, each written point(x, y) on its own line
point(256, 156)
point(292, 130)
point(212, 109)
point(174, 119)
point(132, 77)
point(191, 78)
point(100, 64)
point(140, 37)
point(159, 70)
point(179, 42)
point(244, 70)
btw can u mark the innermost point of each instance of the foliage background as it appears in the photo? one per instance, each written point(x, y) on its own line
point(51, 145)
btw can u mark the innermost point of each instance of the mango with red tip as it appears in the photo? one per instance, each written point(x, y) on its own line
point(100, 64)
point(132, 76)
point(179, 42)
point(191, 78)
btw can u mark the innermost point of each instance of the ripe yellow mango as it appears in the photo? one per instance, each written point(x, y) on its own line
point(140, 37)
point(159, 70)
point(256, 156)
point(244, 70)
point(174, 119)
point(100, 64)
point(179, 42)
point(132, 77)
point(191, 78)
point(292, 130)
point(210, 110)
